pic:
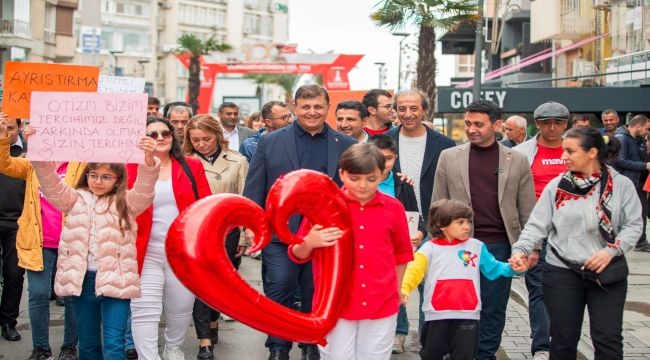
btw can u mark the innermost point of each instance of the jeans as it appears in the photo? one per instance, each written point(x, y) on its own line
point(494, 301)
point(102, 317)
point(283, 276)
point(539, 322)
point(39, 287)
point(402, 321)
point(566, 295)
point(13, 277)
point(128, 336)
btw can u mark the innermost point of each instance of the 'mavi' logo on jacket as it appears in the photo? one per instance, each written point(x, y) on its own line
point(467, 257)
point(552, 161)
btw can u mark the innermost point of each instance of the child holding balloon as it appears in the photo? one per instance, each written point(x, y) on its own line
point(382, 249)
point(97, 263)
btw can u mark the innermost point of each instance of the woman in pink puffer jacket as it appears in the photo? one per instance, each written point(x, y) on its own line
point(97, 261)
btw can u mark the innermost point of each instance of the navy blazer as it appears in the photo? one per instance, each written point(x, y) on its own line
point(436, 142)
point(277, 155)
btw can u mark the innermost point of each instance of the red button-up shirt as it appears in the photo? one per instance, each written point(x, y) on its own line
point(381, 242)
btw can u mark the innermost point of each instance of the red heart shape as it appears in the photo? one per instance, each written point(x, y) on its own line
point(196, 251)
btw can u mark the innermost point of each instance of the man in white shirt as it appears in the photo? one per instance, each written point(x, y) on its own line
point(234, 133)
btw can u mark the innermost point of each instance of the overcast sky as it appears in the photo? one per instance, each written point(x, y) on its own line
point(344, 26)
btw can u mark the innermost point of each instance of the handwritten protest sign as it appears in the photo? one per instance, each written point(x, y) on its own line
point(21, 78)
point(87, 127)
point(120, 84)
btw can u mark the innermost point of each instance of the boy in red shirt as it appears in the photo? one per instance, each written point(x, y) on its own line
point(367, 324)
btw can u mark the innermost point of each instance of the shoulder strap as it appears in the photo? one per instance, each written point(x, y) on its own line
point(188, 172)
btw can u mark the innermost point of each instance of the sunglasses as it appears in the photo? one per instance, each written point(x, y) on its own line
point(165, 134)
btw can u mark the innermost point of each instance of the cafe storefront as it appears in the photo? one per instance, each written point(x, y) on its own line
point(451, 103)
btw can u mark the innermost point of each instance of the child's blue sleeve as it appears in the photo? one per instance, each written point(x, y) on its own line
point(492, 268)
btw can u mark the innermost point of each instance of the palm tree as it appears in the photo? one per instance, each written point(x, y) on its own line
point(195, 47)
point(429, 16)
point(286, 81)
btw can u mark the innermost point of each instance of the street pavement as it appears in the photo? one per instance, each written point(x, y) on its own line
point(239, 342)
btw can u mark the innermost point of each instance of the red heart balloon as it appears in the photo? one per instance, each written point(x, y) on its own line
point(196, 251)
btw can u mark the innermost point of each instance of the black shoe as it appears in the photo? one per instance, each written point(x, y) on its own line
point(214, 335)
point(131, 354)
point(205, 353)
point(9, 332)
point(40, 354)
point(68, 352)
point(310, 352)
point(645, 247)
point(279, 355)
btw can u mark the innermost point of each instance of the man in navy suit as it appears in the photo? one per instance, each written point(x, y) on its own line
point(308, 143)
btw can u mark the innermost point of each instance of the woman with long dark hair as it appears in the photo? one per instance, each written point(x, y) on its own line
point(181, 182)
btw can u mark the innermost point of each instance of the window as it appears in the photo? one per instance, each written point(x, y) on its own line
point(252, 24)
point(465, 64)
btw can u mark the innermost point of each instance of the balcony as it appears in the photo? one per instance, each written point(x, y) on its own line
point(561, 20)
point(16, 28)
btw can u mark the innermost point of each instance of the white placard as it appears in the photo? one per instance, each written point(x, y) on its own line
point(412, 219)
point(120, 85)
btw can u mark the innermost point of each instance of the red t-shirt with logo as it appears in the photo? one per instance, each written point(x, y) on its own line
point(546, 165)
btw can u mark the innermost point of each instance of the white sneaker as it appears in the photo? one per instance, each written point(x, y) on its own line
point(226, 318)
point(541, 355)
point(173, 353)
point(398, 343)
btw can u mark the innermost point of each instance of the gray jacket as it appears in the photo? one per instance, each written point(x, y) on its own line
point(528, 148)
point(572, 230)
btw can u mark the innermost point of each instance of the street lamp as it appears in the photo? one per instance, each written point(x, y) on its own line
point(381, 72)
point(399, 63)
point(114, 55)
point(478, 55)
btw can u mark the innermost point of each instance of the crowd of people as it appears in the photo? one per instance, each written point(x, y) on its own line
point(489, 209)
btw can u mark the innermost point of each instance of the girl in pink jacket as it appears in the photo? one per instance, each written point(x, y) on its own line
point(97, 264)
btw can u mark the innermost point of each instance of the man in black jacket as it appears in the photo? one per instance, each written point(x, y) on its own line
point(630, 164)
point(11, 207)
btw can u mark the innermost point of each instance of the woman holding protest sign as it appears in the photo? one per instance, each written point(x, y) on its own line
point(181, 182)
point(226, 173)
point(586, 263)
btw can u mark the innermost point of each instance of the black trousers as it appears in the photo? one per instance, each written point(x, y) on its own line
point(458, 338)
point(202, 314)
point(13, 277)
point(566, 294)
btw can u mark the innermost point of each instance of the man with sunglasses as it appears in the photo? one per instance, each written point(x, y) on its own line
point(275, 115)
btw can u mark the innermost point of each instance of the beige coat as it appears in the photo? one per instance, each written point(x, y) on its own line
point(117, 265)
point(515, 185)
point(227, 176)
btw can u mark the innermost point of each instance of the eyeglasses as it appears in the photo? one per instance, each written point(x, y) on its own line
point(165, 134)
point(181, 122)
point(285, 118)
point(102, 179)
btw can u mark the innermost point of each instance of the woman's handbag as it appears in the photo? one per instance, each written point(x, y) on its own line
point(616, 271)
